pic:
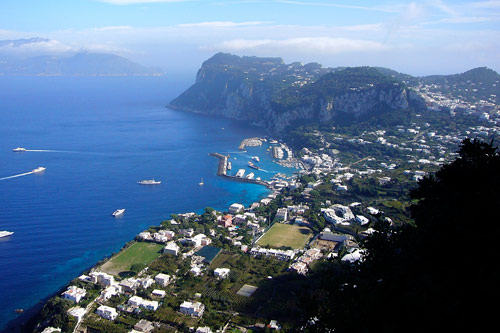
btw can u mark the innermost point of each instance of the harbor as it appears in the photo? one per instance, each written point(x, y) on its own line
point(222, 171)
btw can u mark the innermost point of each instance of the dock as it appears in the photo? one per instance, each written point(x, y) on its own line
point(222, 171)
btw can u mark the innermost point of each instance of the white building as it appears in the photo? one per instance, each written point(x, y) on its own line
point(204, 329)
point(299, 267)
point(201, 240)
point(171, 248)
point(239, 219)
point(162, 279)
point(236, 208)
point(279, 254)
point(282, 214)
point(74, 294)
point(362, 220)
point(77, 313)
point(222, 272)
point(107, 312)
point(158, 293)
point(110, 291)
point(103, 279)
point(192, 308)
point(143, 303)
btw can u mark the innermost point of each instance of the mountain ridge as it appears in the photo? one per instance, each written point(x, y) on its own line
point(272, 94)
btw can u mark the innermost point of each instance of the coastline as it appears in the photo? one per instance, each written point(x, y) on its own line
point(29, 319)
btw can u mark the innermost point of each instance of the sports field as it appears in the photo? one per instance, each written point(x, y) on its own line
point(138, 253)
point(286, 235)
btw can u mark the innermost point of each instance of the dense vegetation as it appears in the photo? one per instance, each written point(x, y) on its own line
point(432, 277)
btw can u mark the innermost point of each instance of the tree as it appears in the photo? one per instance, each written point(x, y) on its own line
point(435, 276)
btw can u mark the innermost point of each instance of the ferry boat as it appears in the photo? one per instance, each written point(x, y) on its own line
point(149, 182)
point(256, 158)
point(118, 212)
point(251, 165)
point(39, 169)
point(19, 149)
point(201, 183)
point(5, 233)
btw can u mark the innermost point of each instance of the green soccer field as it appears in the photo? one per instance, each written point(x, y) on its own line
point(138, 253)
point(286, 235)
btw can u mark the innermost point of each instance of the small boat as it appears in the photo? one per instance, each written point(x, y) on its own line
point(19, 310)
point(5, 233)
point(149, 182)
point(118, 212)
point(251, 165)
point(19, 149)
point(229, 165)
point(201, 183)
point(250, 175)
point(256, 158)
point(39, 169)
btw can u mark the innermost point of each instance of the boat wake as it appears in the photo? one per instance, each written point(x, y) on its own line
point(50, 151)
point(19, 175)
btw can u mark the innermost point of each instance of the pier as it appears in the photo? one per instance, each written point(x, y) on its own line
point(222, 171)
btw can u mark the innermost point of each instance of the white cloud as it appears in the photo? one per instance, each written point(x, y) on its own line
point(133, 2)
point(220, 24)
point(116, 27)
point(337, 5)
point(323, 45)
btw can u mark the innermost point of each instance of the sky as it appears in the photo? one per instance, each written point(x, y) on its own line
point(415, 37)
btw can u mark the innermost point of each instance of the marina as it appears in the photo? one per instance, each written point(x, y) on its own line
point(222, 171)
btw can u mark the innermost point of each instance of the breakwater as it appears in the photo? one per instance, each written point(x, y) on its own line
point(222, 171)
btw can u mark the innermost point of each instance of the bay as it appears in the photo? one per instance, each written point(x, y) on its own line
point(98, 136)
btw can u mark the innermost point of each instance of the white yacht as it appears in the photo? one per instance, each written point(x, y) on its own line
point(250, 175)
point(240, 173)
point(149, 182)
point(256, 158)
point(5, 233)
point(19, 149)
point(201, 183)
point(118, 212)
point(39, 169)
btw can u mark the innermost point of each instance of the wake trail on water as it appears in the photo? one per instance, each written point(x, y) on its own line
point(19, 175)
point(52, 151)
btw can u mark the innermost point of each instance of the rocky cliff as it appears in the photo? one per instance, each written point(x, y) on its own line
point(269, 93)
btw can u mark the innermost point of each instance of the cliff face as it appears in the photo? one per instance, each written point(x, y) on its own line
point(271, 94)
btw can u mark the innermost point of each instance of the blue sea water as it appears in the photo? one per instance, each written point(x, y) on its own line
point(97, 137)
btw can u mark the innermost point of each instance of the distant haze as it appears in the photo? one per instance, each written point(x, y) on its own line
point(418, 38)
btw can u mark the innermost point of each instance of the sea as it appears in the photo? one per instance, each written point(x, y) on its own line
point(97, 137)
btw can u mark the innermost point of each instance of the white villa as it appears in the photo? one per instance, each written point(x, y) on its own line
point(222, 272)
point(74, 294)
point(143, 303)
point(162, 279)
point(171, 248)
point(192, 308)
point(107, 312)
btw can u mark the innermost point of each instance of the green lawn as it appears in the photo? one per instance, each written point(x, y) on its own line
point(138, 253)
point(286, 235)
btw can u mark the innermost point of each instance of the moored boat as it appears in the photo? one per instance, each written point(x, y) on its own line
point(251, 165)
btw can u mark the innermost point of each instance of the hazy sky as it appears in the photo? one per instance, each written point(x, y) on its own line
point(415, 37)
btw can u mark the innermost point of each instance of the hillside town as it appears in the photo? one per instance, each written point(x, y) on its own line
point(211, 271)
